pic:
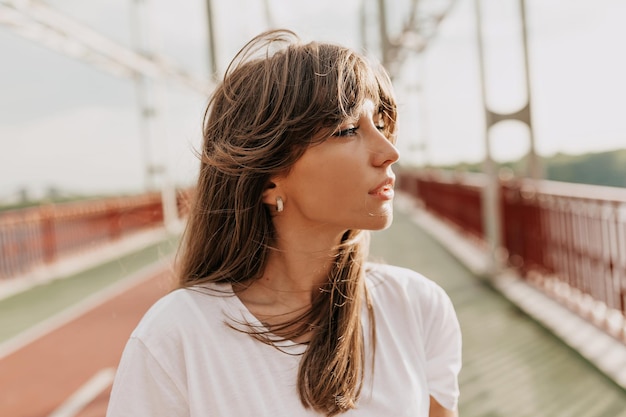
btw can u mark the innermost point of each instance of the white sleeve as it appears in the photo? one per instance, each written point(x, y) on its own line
point(442, 347)
point(142, 388)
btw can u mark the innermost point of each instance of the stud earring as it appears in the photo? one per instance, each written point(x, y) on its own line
point(279, 204)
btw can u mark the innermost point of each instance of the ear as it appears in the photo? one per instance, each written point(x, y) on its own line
point(271, 191)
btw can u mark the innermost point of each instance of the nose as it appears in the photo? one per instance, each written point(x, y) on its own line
point(384, 153)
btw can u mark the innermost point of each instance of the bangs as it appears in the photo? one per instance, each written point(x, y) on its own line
point(356, 80)
point(299, 94)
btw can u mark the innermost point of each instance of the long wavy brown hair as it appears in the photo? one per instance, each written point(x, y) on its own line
point(277, 98)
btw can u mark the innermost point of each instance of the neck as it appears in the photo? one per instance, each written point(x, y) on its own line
point(295, 270)
point(297, 274)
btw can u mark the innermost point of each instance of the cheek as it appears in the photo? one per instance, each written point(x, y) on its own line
point(343, 180)
point(334, 187)
point(336, 174)
point(330, 189)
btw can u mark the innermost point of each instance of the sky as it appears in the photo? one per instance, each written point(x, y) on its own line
point(68, 125)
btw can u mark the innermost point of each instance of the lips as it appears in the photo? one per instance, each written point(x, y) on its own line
point(384, 189)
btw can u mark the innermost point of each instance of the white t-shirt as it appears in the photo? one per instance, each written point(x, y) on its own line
point(184, 360)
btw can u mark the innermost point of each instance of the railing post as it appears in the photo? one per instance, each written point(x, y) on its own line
point(48, 234)
point(113, 214)
point(492, 214)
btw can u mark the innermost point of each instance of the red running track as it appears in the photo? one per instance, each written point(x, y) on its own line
point(36, 379)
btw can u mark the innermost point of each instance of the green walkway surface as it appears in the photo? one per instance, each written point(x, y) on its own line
point(512, 367)
point(28, 308)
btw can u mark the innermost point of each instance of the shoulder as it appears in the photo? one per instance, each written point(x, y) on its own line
point(394, 287)
point(389, 278)
point(179, 312)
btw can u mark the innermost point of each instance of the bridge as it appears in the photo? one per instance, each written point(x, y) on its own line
point(536, 269)
point(536, 342)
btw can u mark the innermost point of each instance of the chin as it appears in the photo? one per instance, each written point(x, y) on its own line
point(382, 222)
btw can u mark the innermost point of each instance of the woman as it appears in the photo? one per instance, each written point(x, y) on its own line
point(277, 313)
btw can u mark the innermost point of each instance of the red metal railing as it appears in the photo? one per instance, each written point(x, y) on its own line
point(456, 198)
point(568, 239)
point(36, 236)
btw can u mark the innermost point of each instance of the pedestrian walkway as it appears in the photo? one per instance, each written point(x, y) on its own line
point(61, 339)
point(69, 368)
point(25, 309)
point(512, 366)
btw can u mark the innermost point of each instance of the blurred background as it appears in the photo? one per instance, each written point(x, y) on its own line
point(512, 179)
point(77, 118)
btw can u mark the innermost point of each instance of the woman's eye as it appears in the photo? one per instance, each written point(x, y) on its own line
point(351, 131)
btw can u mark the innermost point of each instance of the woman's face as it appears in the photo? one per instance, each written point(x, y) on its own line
point(344, 182)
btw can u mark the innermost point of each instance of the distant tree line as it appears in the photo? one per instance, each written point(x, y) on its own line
point(602, 168)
